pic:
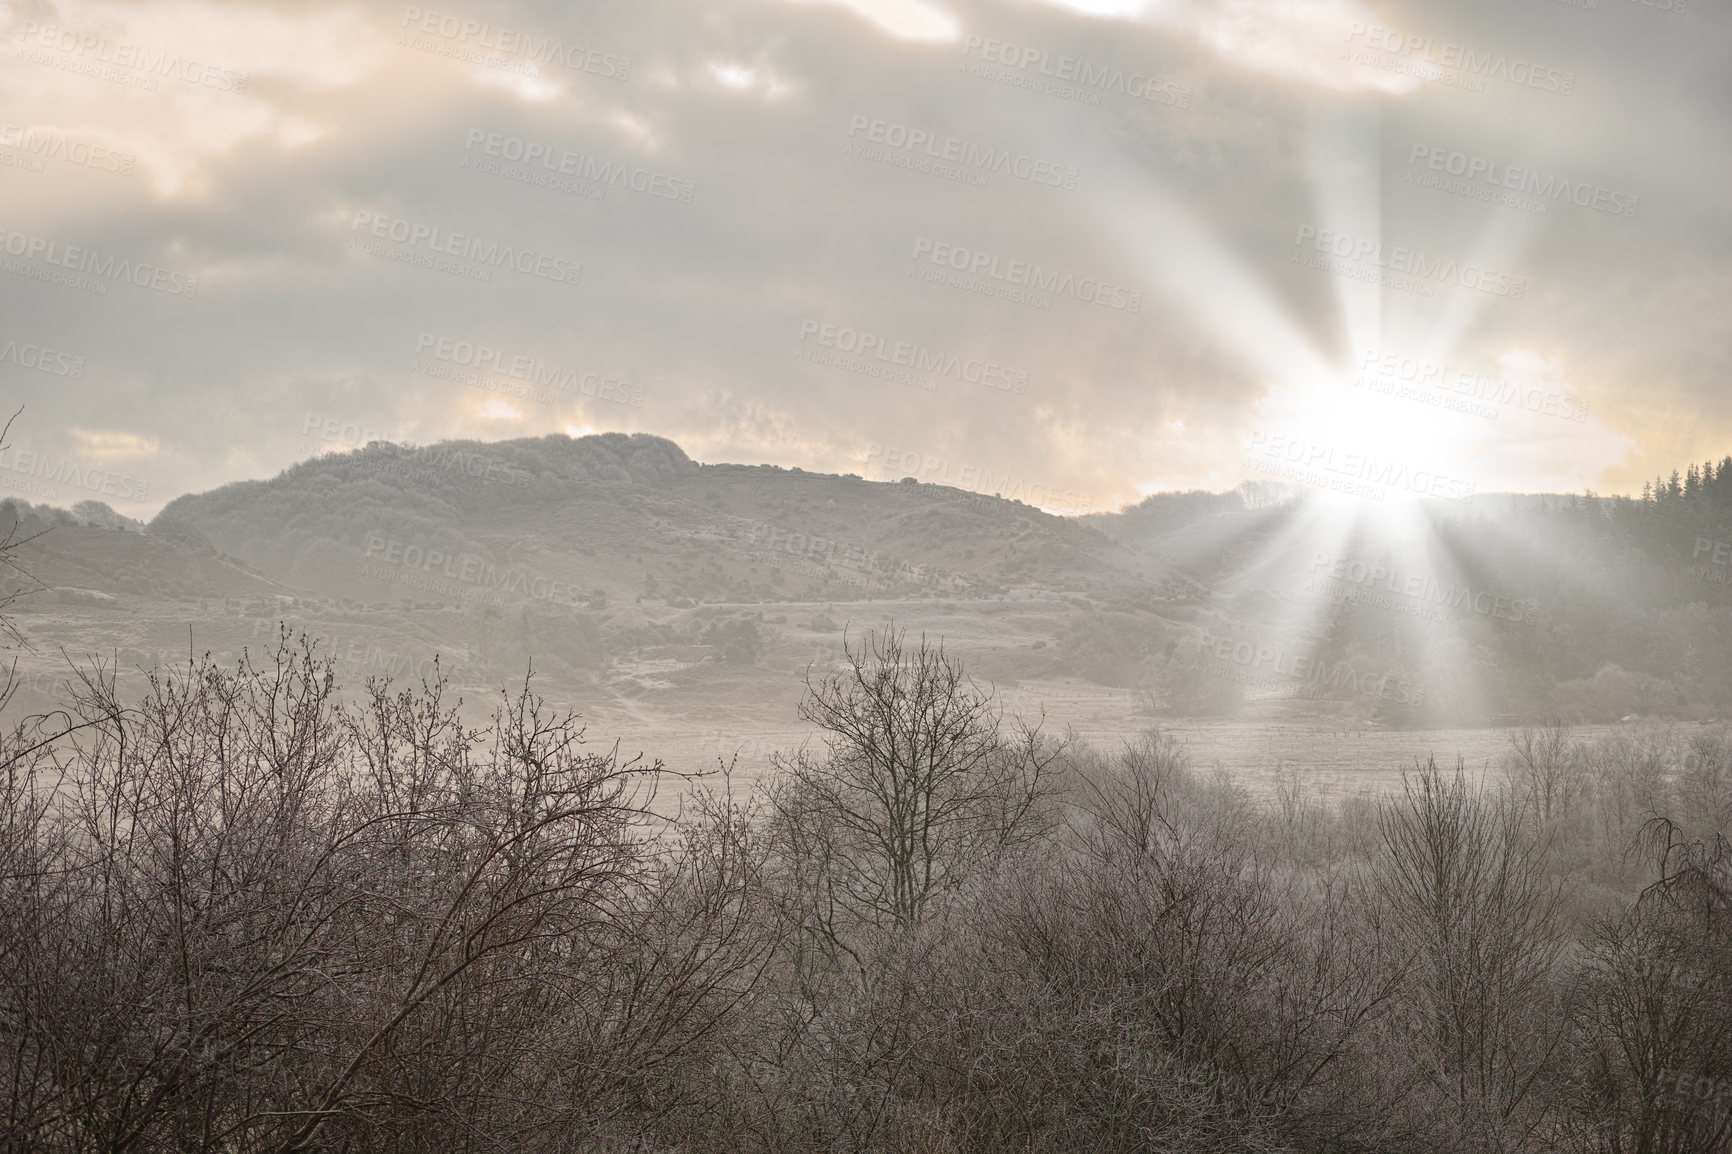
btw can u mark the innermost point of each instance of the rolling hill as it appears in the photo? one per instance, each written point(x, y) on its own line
point(649, 589)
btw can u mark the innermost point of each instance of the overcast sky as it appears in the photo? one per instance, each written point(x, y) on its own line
point(1097, 247)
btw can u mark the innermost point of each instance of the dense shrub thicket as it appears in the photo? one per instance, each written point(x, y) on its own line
point(240, 911)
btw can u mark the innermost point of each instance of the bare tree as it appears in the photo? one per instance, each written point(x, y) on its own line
point(1464, 884)
point(920, 789)
point(1653, 1008)
point(11, 544)
point(919, 782)
point(1545, 772)
point(243, 915)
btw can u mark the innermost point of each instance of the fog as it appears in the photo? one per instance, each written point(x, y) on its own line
point(801, 575)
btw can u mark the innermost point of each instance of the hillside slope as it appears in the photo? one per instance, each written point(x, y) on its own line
point(641, 583)
point(613, 517)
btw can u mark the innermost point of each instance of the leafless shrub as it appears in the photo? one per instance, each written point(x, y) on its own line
point(1653, 1007)
point(1464, 884)
point(244, 916)
point(1545, 773)
point(918, 784)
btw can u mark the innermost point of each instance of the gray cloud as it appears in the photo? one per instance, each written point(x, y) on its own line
point(381, 200)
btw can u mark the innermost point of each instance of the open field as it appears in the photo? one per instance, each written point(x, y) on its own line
point(680, 703)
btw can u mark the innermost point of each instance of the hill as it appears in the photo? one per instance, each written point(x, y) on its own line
point(651, 589)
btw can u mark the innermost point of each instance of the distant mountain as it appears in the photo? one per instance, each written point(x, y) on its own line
point(629, 575)
point(94, 550)
point(643, 584)
point(606, 518)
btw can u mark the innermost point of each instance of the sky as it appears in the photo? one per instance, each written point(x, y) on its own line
point(1081, 250)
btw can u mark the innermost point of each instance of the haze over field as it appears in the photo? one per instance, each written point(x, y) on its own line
point(680, 605)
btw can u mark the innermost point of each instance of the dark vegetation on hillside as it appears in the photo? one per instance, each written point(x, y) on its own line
point(599, 556)
point(248, 913)
point(1622, 609)
point(1625, 603)
point(631, 516)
